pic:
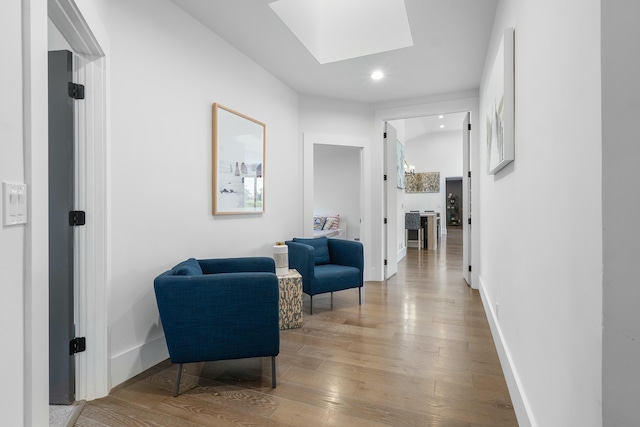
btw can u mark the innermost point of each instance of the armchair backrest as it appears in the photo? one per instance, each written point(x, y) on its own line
point(347, 252)
point(237, 265)
point(320, 249)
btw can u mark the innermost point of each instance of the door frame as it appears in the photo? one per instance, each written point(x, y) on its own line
point(450, 103)
point(309, 140)
point(90, 47)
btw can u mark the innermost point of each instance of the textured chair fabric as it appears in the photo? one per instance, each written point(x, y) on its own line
point(412, 222)
point(344, 269)
point(228, 311)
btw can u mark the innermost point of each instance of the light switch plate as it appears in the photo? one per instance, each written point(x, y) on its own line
point(14, 203)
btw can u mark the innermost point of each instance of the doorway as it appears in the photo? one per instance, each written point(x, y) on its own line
point(337, 186)
point(91, 257)
point(310, 140)
point(453, 208)
point(436, 147)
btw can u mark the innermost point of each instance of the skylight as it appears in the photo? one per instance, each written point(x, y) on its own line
point(335, 30)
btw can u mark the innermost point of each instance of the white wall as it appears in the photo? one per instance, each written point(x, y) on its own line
point(621, 200)
point(12, 238)
point(334, 116)
point(337, 184)
point(55, 40)
point(434, 152)
point(23, 250)
point(540, 217)
point(163, 85)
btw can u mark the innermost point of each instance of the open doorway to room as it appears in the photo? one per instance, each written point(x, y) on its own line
point(435, 151)
point(342, 165)
point(337, 190)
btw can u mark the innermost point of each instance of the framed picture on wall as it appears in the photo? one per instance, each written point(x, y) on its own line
point(499, 108)
point(238, 162)
point(422, 182)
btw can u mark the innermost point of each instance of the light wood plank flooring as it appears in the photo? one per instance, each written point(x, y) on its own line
point(418, 352)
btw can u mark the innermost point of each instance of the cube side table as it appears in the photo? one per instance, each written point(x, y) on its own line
point(290, 300)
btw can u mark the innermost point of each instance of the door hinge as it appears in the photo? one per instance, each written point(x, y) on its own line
point(384, 135)
point(385, 221)
point(76, 91)
point(469, 221)
point(77, 345)
point(385, 262)
point(469, 126)
point(384, 177)
point(77, 218)
point(469, 174)
point(469, 268)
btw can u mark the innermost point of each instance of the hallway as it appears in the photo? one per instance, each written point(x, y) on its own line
point(418, 352)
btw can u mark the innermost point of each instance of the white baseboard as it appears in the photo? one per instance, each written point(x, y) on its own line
point(130, 363)
point(518, 398)
point(402, 253)
point(371, 275)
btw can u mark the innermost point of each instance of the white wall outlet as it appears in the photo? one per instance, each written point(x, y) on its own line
point(14, 204)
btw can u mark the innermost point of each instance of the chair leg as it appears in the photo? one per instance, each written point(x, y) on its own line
point(311, 305)
point(360, 296)
point(273, 372)
point(331, 300)
point(176, 387)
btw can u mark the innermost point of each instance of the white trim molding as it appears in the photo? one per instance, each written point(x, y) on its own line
point(516, 391)
point(129, 363)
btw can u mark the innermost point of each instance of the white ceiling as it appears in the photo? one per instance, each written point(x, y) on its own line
point(328, 33)
point(450, 39)
point(419, 126)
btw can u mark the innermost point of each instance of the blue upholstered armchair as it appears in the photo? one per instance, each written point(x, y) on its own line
point(327, 265)
point(218, 309)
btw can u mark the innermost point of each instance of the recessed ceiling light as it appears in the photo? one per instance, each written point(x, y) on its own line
point(441, 126)
point(377, 75)
point(441, 116)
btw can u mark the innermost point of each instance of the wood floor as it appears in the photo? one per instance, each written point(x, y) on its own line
point(418, 352)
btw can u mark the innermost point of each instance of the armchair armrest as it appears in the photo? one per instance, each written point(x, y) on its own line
point(237, 265)
point(219, 316)
point(347, 252)
point(302, 259)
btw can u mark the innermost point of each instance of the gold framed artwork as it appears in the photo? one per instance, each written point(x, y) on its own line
point(238, 162)
point(422, 182)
